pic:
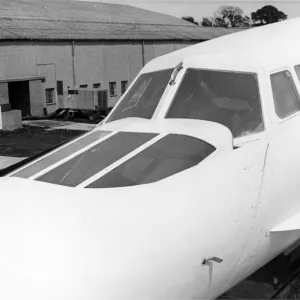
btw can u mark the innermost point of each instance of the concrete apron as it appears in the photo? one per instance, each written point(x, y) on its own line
point(53, 125)
point(6, 161)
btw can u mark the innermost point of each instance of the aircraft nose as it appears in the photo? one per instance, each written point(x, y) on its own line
point(3, 180)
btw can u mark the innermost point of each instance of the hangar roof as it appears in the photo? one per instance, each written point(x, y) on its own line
point(78, 20)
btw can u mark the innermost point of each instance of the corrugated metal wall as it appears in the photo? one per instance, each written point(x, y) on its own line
point(93, 62)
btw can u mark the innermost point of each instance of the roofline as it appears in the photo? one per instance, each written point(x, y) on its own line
point(102, 22)
point(29, 78)
point(98, 40)
point(238, 29)
point(30, 20)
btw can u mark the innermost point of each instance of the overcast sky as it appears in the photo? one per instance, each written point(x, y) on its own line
point(201, 8)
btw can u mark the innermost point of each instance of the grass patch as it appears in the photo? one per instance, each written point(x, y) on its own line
point(31, 140)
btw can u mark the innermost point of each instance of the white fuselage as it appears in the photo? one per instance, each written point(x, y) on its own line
point(191, 235)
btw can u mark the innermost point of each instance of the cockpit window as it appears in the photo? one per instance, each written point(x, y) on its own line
point(228, 98)
point(56, 156)
point(86, 164)
point(286, 97)
point(143, 97)
point(170, 155)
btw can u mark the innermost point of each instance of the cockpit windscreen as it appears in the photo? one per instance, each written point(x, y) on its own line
point(172, 154)
point(143, 97)
point(229, 98)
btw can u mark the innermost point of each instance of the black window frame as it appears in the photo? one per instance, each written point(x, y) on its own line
point(60, 87)
point(52, 91)
point(124, 86)
point(97, 85)
point(113, 89)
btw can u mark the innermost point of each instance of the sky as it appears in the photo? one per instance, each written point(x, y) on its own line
point(203, 8)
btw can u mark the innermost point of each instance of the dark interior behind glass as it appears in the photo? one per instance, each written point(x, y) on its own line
point(286, 97)
point(93, 160)
point(170, 155)
point(61, 154)
point(143, 97)
point(228, 98)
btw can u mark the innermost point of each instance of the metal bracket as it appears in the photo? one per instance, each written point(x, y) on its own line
point(214, 259)
point(175, 73)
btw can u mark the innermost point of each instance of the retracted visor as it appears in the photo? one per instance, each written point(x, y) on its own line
point(103, 159)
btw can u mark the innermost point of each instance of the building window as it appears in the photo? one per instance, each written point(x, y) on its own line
point(50, 96)
point(72, 92)
point(286, 98)
point(83, 86)
point(112, 89)
point(96, 85)
point(124, 85)
point(60, 87)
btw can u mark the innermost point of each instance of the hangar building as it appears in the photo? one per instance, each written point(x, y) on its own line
point(48, 48)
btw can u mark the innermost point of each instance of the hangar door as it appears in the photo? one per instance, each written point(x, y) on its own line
point(19, 96)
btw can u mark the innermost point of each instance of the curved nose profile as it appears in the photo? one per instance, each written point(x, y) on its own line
point(62, 245)
point(162, 240)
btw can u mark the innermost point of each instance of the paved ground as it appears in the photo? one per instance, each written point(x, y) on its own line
point(35, 137)
point(6, 161)
point(54, 125)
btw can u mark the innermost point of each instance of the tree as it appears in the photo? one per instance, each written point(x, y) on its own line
point(229, 16)
point(207, 22)
point(247, 22)
point(190, 19)
point(267, 15)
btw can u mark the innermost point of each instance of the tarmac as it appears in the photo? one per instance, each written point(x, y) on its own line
point(6, 161)
point(54, 124)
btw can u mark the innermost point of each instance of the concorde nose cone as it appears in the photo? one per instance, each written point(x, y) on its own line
point(54, 244)
point(63, 243)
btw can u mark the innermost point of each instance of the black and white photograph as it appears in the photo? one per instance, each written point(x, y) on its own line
point(149, 149)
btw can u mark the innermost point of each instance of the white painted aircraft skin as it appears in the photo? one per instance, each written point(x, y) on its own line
point(149, 241)
point(264, 46)
point(213, 133)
